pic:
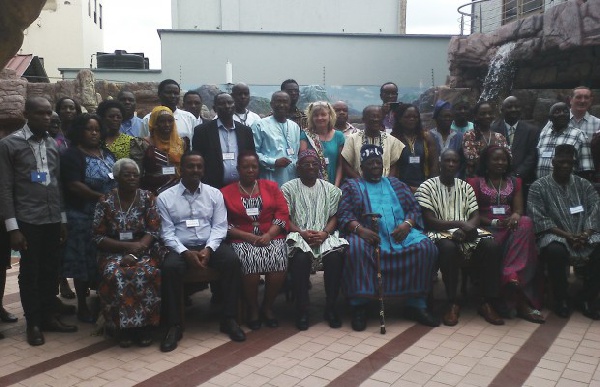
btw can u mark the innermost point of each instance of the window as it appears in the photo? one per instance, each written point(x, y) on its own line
point(95, 11)
point(90, 8)
point(518, 9)
point(100, 17)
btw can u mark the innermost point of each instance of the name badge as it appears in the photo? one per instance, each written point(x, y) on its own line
point(126, 236)
point(192, 223)
point(290, 152)
point(111, 176)
point(547, 154)
point(326, 160)
point(229, 156)
point(498, 210)
point(168, 170)
point(576, 210)
point(252, 211)
point(414, 159)
point(38, 177)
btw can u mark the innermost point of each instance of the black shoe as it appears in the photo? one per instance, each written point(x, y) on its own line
point(269, 322)
point(169, 343)
point(359, 318)
point(589, 311)
point(53, 324)
point(144, 337)
point(562, 309)
point(422, 316)
point(332, 318)
point(231, 327)
point(125, 340)
point(302, 321)
point(65, 309)
point(35, 336)
point(254, 324)
point(7, 317)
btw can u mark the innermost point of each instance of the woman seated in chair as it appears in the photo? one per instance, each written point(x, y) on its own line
point(500, 200)
point(126, 229)
point(258, 220)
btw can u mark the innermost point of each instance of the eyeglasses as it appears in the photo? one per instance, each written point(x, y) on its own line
point(310, 165)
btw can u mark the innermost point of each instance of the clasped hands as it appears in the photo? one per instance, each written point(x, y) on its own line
point(314, 238)
point(465, 233)
point(578, 241)
point(197, 259)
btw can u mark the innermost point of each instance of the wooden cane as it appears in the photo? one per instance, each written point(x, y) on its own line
point(375, 227)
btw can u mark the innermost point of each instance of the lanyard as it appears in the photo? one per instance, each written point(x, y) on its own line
point(126, 215)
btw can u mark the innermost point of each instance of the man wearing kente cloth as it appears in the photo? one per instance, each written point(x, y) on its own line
point(407, 256)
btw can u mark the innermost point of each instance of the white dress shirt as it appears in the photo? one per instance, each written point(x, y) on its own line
point(192, 219)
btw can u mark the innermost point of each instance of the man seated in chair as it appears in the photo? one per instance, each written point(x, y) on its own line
point(194, 223)
point(451, 215)
point(565, 210)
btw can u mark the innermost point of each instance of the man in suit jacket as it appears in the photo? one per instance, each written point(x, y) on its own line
point(220, 142)
point(522, 138)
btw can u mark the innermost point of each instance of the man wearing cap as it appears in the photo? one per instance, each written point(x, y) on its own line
point(407, 257)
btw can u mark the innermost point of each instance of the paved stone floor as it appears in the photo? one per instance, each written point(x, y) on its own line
point(559, 353)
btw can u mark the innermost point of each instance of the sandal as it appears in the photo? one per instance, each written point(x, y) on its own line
point(531, 315)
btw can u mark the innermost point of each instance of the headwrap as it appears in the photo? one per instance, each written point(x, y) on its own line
point(439, 106)
point(307, 153)
point(174, 145)
point(369, 151)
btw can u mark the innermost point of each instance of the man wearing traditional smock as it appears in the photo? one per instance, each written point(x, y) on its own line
point(407, 256)
point(565, 210)
point(313, 241)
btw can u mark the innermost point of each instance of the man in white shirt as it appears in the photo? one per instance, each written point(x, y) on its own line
point(194, 225)
point(168, 93)
point(581, 100)
point(192, 102)
point(341, 119)
point(241, 96)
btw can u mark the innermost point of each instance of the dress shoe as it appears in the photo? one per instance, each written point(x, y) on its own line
point(359, 318)
point(144, 337)
point(231, 327)
point(170, 340)
point(451, 317)
point(35, 336)
point(302, 321)
point(486, 311)
point(65, 290)
point(561, 308)
point(332, 318)
point(589, 311)
point(64, 309)
point(269, 322)
point(55, 325)
point(422, 316)
point(125, 339)
point(254, 324)
point(7, 317)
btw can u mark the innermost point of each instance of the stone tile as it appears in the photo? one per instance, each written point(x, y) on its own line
point(284, 380)
point(578, 376)
point(416, 377)
point(313, 363)
point(270, 371)
point(456, 369)
point(386, 376)
point(374, 383)
point(328, 373)
point(435, 359)
point(534, 381)
point(546, 374)
point(225, 379)
point(447, 378)
point(426, 368)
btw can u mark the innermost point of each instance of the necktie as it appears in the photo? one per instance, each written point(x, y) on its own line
point(511, 134)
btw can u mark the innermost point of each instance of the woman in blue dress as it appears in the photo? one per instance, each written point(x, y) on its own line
point(86, 173)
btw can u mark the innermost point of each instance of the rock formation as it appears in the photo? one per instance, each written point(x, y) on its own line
point(15, 17)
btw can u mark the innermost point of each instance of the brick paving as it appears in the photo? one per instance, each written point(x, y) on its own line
point(473, 353)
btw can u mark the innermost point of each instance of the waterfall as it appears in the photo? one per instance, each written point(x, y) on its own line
point(500, 74)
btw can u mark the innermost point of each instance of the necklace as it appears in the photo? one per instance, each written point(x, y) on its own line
point(496, 189)
point(246, 192)
point(129, 209)
point(489, 139)
point(242, 120)
point(411, 143)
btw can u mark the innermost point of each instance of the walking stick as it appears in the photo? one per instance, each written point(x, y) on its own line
point(375, 227)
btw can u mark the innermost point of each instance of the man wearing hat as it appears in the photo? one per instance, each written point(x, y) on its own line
point(313, 240)
point(407, 257)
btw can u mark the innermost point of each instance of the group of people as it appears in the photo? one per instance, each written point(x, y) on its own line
point(127, 206)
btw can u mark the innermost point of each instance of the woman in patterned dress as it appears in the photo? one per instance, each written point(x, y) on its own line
point(111, 113)
point(258, 221)
point(158, 155)
point(480, 137)
point(126, 229)
point(86, 173)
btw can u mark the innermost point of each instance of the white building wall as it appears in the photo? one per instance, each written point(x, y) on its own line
point(336, 16)
point(64, 35)
point(269, 58)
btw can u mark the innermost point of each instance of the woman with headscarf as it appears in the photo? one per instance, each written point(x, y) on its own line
point(159, 154)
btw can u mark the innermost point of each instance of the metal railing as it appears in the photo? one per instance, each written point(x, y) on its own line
point(488, 15)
